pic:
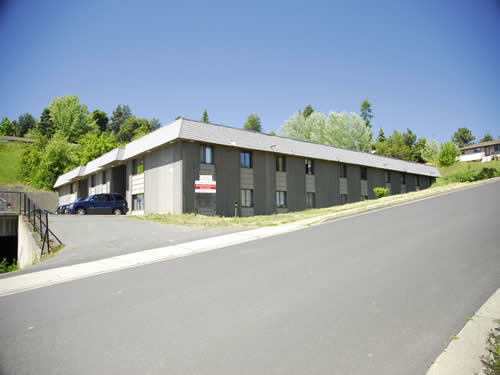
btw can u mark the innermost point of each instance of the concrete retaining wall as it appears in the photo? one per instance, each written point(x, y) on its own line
point(28, 247)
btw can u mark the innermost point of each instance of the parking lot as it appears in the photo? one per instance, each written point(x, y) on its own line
point(93, 237)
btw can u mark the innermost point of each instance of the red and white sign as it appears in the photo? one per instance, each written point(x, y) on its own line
point(205, 185)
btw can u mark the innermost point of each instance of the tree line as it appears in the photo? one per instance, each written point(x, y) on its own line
point(68, 134)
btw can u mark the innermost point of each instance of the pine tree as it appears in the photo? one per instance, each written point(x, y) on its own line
point(308, 111)
point(46, 126)
point(253, 123)
point(204, 118)
point(381, 136)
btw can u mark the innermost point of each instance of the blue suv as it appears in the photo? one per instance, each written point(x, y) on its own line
point(100, 204)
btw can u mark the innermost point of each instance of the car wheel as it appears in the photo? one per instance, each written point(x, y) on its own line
point(80, 211)
point(117, 211)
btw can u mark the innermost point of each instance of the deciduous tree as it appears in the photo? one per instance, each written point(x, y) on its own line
point(70, 118)
point(6, 127)
point(463, 137)
point(487, 137)
point(448, 154)
point(93, 145)
point(25, 123)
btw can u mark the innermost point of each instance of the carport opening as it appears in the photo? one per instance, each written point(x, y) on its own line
point(8, 239)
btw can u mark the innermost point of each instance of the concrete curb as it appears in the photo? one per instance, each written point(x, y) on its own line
point(461, 357)
point(34, 280)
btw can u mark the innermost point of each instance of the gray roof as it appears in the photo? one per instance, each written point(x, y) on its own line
point(233, 137)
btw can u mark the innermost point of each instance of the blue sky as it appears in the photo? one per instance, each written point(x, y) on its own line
point(431, 66)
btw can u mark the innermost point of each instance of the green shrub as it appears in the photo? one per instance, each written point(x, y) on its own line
point(448, 154)
point(6, 267)
point(472, 176)
point(491, 361)
point(380, 192)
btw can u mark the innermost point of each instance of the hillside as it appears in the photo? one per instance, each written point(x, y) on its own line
point(10, 162)
point(10, 176)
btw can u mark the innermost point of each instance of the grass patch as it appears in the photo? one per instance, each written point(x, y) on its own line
point(464, 171)
point(10, 161)
point(315, 215)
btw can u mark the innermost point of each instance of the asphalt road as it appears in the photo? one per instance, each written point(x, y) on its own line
point(379, 293)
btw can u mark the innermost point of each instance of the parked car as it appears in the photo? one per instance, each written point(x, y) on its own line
point(99, 204)
point(64, 208)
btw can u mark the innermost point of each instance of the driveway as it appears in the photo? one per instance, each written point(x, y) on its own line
point(93, 237)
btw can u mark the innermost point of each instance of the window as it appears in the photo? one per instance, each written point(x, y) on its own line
point(206, 154)
point(246, 159)
point(246, 198)
point(417, 180)
point(103, 177)
point(138, 166)
point(387, 177)
point(343, 171)
point(99, 198)
point(138, 202)
point(364, 173)
point(281, 199)
point(364, 197)
point(72, 188)
point(477, 149)
point(403, 179)
point(118, 197)
point(343, 198)
point(92, 180)
point(281, 163)
point(497, 148)
point(309, 166)
point(310, 200)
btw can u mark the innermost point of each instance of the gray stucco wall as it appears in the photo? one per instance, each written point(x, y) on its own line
point(396, 182)
point(410, 182)
point(354, 183)
point(376, 178)
point(265, 183)
point(327, 183)
point(227, 164)
point(163, 180)
point(296, 183)
point(191, 173)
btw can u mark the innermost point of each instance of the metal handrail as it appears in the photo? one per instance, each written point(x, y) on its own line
point(22, 203)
